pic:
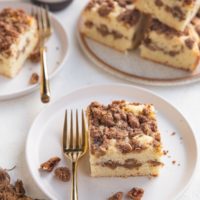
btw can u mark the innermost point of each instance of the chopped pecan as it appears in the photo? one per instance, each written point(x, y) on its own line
point(50, 164)
point(135, 193)
point(34, 79)
point(63, 174)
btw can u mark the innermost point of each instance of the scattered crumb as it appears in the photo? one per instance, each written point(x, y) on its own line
point(50, 164)
point(169, 156)
point(57, 48)
point(165, 152)
point(34, 79)
point(58, 62)
point(180, 138)
point(179, 164)
point(173, 162)
point(173, 133)
point(135, 193)
point(116, 196)
point(63, 174)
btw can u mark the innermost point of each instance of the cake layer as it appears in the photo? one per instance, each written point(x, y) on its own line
point(123, 135)
point(144, 170)
point(112, 23)
point(176, 14)
point(168, 46)
point(19, 36)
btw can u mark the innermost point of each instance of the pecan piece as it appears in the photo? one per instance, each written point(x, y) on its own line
point(50, 164)
point(135, 193)
point(63, 174)
point(34, 79)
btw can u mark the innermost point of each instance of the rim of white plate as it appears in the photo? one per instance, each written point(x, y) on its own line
point(113, 85)
point(32, 88)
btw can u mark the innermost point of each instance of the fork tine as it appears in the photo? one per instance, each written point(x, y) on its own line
point(77, 131)
point(38, 18)
point(71, 131)
point(83, 131)
point(48, 19)
point(65, 141)
point(44, 18)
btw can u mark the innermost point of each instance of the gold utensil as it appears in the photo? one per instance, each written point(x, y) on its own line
point(74, 144)
point(44, 31)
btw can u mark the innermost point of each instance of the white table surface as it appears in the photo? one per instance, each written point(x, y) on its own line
point(17, 115)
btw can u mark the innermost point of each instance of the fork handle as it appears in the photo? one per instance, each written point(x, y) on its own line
point(74, 189)
point(44, 84)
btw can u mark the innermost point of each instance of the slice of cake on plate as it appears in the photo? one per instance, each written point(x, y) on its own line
point(165, 45)
point(123, 140)
point(18, 38)
point(176, 14)
point(115, 23)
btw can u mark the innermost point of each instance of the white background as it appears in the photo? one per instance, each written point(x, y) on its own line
point(16, 116)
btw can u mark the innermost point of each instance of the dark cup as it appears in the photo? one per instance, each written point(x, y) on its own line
point(54, 6)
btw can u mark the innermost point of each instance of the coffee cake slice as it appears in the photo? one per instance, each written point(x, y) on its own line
point(18, 38)
point(168, 46)
point(123, 140)
point(115, 23)
point(176, 14)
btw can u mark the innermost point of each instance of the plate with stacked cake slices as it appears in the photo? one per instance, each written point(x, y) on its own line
point(137, 141)
point(19, 51)
point(148, 42)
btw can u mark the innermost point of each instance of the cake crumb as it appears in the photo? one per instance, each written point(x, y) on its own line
point(173, 162)
point(135, 193)
point(34, 79)
point(173, 133)
point(63, 174)
point(50, 164)
point(165, 152)
point(116, 196)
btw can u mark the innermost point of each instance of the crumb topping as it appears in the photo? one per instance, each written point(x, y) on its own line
point(127, 13)
point(114, 122)
point(162, 28)
point(12, 23)
point(130, 17)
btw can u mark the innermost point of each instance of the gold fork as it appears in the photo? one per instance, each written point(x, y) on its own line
point(44, 31)
point(74, 144)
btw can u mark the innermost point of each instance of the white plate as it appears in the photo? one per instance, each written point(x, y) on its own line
point(57, 46)
point(45, 136)
point(132, 67)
